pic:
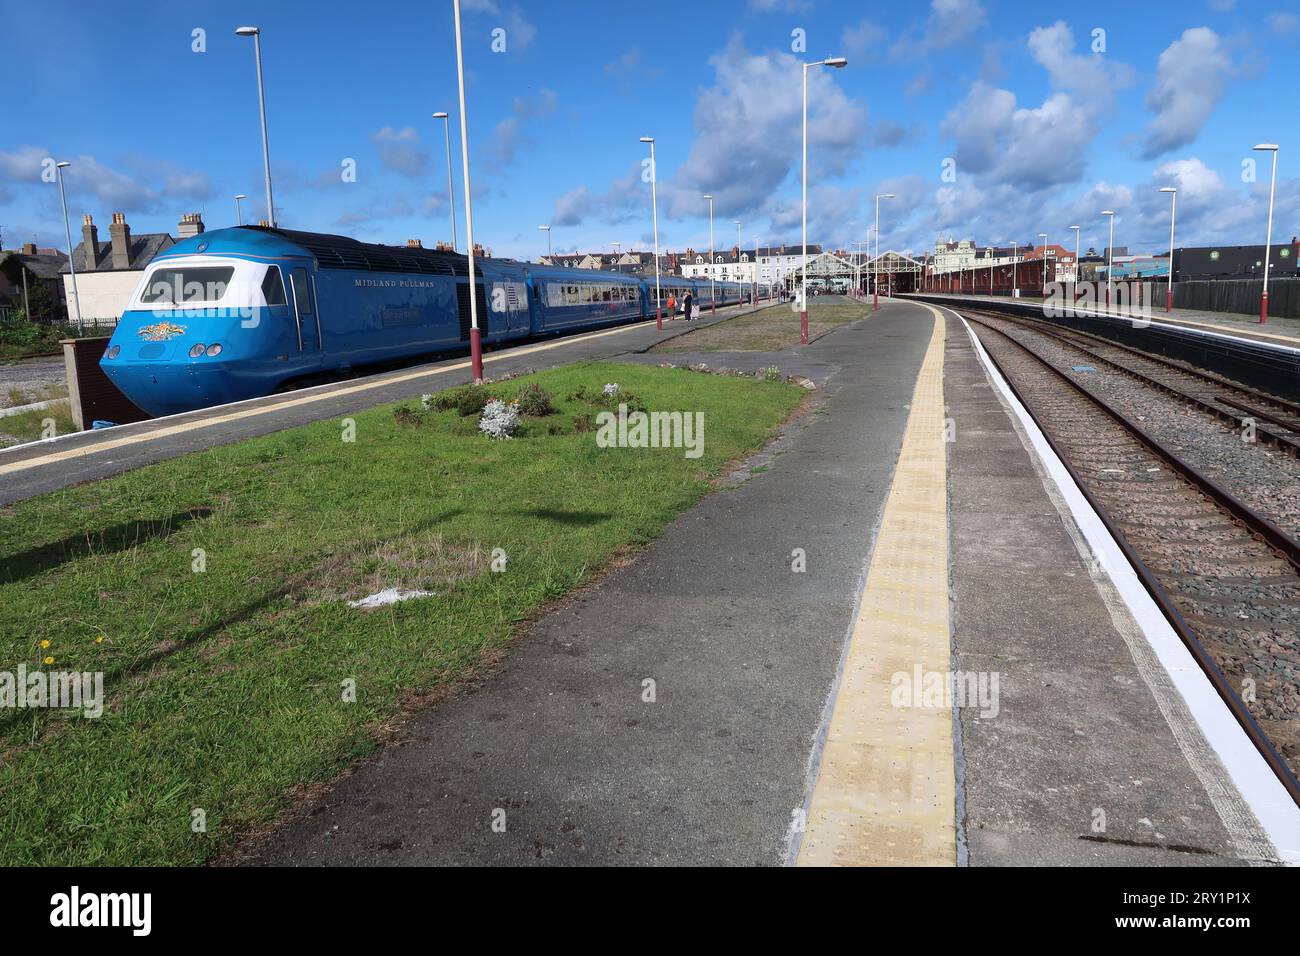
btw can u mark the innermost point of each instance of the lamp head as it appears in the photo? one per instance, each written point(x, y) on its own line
point(63, 165)
point(1265, 146)
point(247, 31)
point(1107, 212)
point(647, 139)
point(241, 196)
point(440, 115)
point(1168, 189)
point(836, 61)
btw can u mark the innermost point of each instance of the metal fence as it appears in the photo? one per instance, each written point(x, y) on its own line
point(1239, 295)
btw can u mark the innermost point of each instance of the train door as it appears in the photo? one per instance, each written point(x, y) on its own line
point(303, 297)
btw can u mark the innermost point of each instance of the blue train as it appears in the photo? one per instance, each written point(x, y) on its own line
point(245, 312)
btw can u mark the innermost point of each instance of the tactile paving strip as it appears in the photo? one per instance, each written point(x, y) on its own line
point(886, 791)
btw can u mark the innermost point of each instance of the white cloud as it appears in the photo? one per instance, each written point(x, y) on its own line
point(1189, 84)
point(402, 151)
point(863, 38)
point(508, 136)
point(1093, 76)
point(951, 22)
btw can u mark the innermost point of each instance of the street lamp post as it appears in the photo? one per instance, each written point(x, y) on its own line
point(550, 253)
point(1110, 255)
point(837, 62)
point(1173, 213)
point(993, 250)
point(256, 34)
point(451, 189)
point(475, 337)
point(654, 208)
point(737, 222)
point(875, 260)
point(1015, 258)
point(1043, 291)
point(239, 211)
point(713, 288)
point(67, 231)
point(1078, 266)
point(1268, 236)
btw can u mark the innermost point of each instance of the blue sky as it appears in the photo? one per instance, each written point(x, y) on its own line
point(1041, 131)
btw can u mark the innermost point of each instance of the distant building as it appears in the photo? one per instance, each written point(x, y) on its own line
point(764, 264)
point(29, 283)
point(107, 273)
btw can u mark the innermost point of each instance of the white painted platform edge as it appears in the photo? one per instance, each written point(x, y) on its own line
point(1273, 807)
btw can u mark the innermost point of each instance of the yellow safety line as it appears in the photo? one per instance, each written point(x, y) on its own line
point(151, 434)
point(886, 790)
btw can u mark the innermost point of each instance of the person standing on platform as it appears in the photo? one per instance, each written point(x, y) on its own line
point(686, 307)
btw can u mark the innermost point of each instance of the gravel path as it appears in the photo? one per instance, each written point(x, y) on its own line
point(31, 376)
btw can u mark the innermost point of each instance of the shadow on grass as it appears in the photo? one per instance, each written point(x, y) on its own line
point(583, 518)
point(118, 537)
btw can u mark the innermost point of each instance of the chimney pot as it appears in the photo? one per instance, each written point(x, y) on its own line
point(121, 236)
point(90, 239)
point(414, 244)
point(191, 225)
point(29, 248)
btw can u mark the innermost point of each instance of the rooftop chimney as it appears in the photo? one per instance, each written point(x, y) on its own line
point(29, 249)
point(191, 225)
point(90, 236)
point(414, 244)
point(121, 234)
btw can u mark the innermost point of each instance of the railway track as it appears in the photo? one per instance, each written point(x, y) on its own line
point(1226, 400)
point(1226, 577)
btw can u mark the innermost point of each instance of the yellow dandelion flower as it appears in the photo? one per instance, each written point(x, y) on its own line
point(44, 644)
point(49, 660)
point(100, 639)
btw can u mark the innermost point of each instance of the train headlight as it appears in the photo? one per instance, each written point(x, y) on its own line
point(197, 350)
point(214, 350)
point(112, 351)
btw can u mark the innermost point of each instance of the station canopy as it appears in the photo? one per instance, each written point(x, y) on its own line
point(831, 272)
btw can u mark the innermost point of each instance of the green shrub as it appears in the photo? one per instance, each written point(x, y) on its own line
point(465, 401)
point(534, 400)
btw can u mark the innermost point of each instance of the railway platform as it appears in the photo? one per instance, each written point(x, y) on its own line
point(887, 641)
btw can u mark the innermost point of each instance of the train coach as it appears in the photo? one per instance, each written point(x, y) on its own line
point(245, 312)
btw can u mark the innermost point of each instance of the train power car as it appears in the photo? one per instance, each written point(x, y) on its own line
point(244, 312)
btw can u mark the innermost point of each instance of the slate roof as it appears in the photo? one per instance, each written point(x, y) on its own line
point(144, 246)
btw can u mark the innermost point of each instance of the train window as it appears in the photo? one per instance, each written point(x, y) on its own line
point(187, 285)
point(606, 294)
point(273, 287)
point(301, 294)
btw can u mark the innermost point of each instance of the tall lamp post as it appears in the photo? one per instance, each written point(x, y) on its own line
point(837, 62)
point(713, 289)
point(475, 337)
point(654, 208)
point(738, 247)
point(67, 231)
point(993, 255)
point(1110, 254)
point(256, 34)
point(1173, 213)
point(1043, 290)
point(550, 253)
point(1078, 266)
point(239, 211)
point(451, 189)
point(1268, 236)
point(875, 260)
point(1015, 258)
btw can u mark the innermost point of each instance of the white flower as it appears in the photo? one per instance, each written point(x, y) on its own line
point(611, 389)
point(499, 420)
point(426, 401)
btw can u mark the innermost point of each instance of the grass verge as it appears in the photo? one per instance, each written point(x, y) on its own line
point(33, 425)
point(770, 329)
point(225, 687)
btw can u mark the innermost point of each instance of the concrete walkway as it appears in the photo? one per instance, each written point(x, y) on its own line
point(742, 652)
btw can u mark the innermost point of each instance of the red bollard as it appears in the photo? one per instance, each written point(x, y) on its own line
point(803, 327)
point(1263, 308)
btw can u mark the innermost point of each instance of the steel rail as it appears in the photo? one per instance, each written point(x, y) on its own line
point(1273, 438)
point(1148, 578)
